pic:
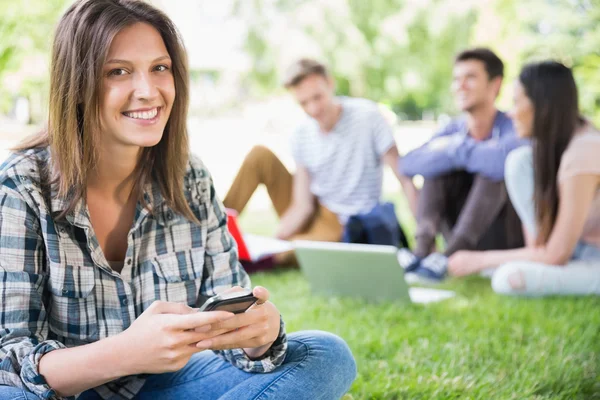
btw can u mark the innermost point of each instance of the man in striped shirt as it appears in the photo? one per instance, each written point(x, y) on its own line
point(339, 152)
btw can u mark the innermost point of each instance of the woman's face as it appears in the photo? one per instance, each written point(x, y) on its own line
point(522, 112)
point(138, 89)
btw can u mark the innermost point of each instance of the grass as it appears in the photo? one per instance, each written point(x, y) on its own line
point(476, 346)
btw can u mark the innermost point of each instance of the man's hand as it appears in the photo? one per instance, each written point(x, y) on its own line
point(254, 331)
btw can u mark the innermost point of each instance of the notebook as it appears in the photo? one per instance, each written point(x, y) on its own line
point(254, 247)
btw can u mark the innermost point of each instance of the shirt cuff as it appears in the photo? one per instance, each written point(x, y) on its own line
point(30, 373)
point(268, 362)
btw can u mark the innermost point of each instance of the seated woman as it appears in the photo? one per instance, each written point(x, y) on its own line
point(554, 186)
point(110, 234)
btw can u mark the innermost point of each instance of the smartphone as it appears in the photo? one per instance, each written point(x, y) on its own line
point(235, 302)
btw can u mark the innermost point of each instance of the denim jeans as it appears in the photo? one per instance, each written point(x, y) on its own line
point(318, 365)
point(580, 276)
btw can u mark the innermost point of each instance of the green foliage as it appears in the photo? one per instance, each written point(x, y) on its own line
point(25, 31)
point(400, 52)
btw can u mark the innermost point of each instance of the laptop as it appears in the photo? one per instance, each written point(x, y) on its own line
point(370, 272)
point(254, 247)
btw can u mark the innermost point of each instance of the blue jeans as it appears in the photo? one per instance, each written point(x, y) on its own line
point(318, 365)
point(580, 276)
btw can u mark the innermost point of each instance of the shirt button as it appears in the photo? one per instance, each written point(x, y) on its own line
point(169, 215)
point(124, 302)
point(129, 261)
point(65, 291)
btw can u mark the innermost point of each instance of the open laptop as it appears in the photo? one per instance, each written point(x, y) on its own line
point(371, 272)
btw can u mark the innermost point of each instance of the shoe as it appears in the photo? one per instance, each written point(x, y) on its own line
point(407, 259)
point(431, 270)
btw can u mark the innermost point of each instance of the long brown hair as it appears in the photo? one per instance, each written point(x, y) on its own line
point(81, 44)
point(551, 88)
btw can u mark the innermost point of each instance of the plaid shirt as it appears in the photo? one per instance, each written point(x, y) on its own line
point(57, 289)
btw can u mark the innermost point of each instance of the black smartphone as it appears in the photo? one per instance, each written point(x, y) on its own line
point(235, 302)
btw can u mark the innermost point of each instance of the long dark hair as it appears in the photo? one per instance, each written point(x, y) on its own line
point(551, 88)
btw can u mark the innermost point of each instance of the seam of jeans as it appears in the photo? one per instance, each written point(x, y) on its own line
point(22, 394)
point(286, 373)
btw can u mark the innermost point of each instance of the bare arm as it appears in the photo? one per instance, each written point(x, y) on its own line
point(577, 194)
point(392, 158)
point(301, 209)
point(74, 370)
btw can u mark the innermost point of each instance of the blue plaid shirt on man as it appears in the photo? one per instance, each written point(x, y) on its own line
point(57, 289)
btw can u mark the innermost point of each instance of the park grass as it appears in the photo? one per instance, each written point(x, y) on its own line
point(477, 345)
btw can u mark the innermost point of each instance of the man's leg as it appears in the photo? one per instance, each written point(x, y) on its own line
point(438, 200)
point(261, 166)
point(480, 217)
point(324, 227)
point(318, 365)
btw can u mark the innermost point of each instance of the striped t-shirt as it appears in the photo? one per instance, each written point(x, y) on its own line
point(345, 164)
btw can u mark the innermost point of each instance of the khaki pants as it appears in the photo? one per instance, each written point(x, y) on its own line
point(262, 166)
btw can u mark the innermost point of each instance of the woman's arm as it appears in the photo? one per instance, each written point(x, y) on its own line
point(160, 340)
point(576, 198)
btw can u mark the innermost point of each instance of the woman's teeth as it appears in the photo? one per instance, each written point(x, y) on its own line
point(142, 114)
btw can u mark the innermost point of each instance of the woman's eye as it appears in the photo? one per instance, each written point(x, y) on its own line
point(117, 72)
point(161, 68)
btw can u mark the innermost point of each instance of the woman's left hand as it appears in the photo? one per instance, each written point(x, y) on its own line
point(464, 263)
point(254, 331)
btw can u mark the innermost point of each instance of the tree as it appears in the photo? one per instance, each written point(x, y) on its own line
point(26, 29)
point(400, 52)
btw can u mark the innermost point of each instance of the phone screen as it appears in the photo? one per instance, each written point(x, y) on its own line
point(235, 308)
point(235, 302)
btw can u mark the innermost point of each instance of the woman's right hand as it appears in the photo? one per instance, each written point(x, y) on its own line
point(164, 337)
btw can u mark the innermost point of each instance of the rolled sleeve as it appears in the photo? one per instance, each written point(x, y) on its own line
point(268, 362)
point(23, 315)
point(30, 374)
point(21, 356)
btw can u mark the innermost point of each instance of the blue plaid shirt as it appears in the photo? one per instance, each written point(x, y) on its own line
point(57, 289)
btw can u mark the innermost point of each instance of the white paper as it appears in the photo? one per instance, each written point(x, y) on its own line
point(428, 295)
point(260, 247)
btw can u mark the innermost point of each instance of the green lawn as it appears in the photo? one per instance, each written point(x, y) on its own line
point(475, 346)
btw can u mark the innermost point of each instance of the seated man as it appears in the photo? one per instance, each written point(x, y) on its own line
point(463, 195)
point(339, 151)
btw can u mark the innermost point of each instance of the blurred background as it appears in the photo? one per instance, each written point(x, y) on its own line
point(396, 52)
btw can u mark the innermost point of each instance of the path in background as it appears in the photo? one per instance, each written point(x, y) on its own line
point(222, 142)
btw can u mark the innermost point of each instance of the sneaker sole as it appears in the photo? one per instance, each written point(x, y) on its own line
point(412, 279)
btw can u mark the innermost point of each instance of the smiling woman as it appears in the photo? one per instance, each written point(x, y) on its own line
point(111, 233)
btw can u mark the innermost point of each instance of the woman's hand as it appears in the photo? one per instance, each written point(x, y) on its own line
point(164, 337)
point(464, 263)
point(254, 331)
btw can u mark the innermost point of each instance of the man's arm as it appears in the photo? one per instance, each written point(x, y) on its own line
point(392, 158)
point(302, 207)
point(487, 158)
point(434, 158)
